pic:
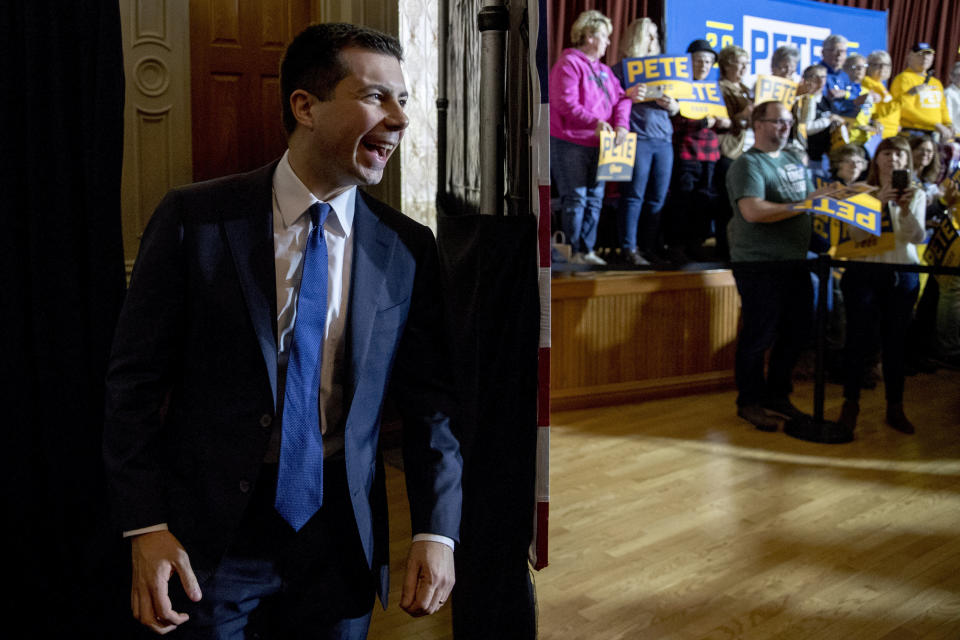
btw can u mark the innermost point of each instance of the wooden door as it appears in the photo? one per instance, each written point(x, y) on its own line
point(236, 47)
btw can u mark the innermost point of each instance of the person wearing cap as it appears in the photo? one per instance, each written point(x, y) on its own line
point(923, 106)
point(696, 152)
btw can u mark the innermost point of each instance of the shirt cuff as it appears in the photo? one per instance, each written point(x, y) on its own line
point(136, 532)
point(433, 537)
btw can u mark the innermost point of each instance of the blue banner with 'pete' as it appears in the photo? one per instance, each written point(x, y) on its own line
point(671, 75)
point(760, 26)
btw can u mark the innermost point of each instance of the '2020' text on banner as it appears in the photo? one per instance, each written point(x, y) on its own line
point(760, 26)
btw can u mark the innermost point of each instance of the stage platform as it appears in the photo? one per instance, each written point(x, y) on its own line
point(623, 336)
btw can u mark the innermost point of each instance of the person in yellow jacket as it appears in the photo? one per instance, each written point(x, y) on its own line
point(886, 110)
point(923, 107)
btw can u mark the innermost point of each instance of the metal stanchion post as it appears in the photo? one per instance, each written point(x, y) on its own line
point(818, 429)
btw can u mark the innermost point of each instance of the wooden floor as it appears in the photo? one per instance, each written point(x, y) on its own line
point(675, 519)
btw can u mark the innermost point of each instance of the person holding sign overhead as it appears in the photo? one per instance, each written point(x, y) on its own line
point(641, 199)
point(585, 99)
point(880, 300)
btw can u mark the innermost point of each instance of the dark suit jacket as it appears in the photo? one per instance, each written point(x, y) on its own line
point(192, 381)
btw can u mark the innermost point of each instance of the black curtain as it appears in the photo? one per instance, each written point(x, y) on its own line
point(491, 268)
point(63, 283)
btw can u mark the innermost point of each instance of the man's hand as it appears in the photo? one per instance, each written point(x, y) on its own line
point(155, 557)
point(430, 578)
point(824, 189)
point(946, 133)
point(837, 93)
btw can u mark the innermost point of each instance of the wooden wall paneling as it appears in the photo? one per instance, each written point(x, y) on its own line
point(152, 141)
point(626, 336)
point(157, 150)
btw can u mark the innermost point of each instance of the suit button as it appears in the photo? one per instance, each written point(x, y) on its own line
point(266, 420)
point(244, 486)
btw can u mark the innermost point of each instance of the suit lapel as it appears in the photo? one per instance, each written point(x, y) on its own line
point(249, 230)
point(372, 247)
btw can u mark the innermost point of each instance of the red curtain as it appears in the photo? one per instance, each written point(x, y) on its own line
point(907, 23)
point(561, 14)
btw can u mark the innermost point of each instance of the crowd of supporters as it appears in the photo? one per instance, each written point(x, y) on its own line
point(687, 187)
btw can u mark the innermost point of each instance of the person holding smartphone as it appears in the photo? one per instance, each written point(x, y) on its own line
point(880, 299)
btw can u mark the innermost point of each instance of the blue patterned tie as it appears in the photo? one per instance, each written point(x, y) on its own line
point(300, 480)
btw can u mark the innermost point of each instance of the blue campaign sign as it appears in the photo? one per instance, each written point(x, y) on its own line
point(760, 26)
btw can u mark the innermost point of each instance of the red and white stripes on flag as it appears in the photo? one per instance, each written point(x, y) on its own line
point(540, 162)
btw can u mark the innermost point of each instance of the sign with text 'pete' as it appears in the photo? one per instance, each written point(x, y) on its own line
point(616, 160)
point(760, 26)
point(672, 75)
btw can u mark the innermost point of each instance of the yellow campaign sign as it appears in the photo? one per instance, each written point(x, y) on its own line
point(846, 247)
point(616, 161)
point(704, 100)
point(862, 210)
point(943, 250)
point(775, 88)
point(955, 178)
point(664, 75)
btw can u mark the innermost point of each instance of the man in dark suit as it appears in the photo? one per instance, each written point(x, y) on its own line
point(268, 302)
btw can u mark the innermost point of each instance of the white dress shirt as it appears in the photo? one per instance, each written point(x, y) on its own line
point(291, 226)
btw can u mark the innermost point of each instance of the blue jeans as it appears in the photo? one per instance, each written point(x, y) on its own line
point(642, 198)
point(877, 302)
point(574, 171)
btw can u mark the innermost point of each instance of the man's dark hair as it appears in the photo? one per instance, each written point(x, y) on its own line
point(760, 111)
point(312, 60)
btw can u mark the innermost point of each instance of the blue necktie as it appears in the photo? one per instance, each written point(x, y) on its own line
point(300, 479)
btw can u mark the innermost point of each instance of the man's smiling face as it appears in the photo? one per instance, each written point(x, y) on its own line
point(355, 132)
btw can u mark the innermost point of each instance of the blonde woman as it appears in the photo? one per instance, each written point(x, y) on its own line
point(641, 199)
point(585, 99)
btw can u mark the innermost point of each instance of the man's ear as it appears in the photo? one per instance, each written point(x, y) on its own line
point(300, 103)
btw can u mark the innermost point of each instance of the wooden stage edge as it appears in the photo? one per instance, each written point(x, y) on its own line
point(626, 392)
point(624, 336)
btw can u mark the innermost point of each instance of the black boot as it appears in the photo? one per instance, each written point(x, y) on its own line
point(897, 419)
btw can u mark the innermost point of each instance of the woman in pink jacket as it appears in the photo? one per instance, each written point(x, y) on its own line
point(585, 99)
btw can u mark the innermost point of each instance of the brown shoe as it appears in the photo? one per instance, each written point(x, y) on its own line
point(848, 414)
point(898, 420)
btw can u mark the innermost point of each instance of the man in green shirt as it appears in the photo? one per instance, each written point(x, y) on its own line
point(776, 300)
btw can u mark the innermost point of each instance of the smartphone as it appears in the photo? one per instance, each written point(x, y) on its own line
point(901, 179)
